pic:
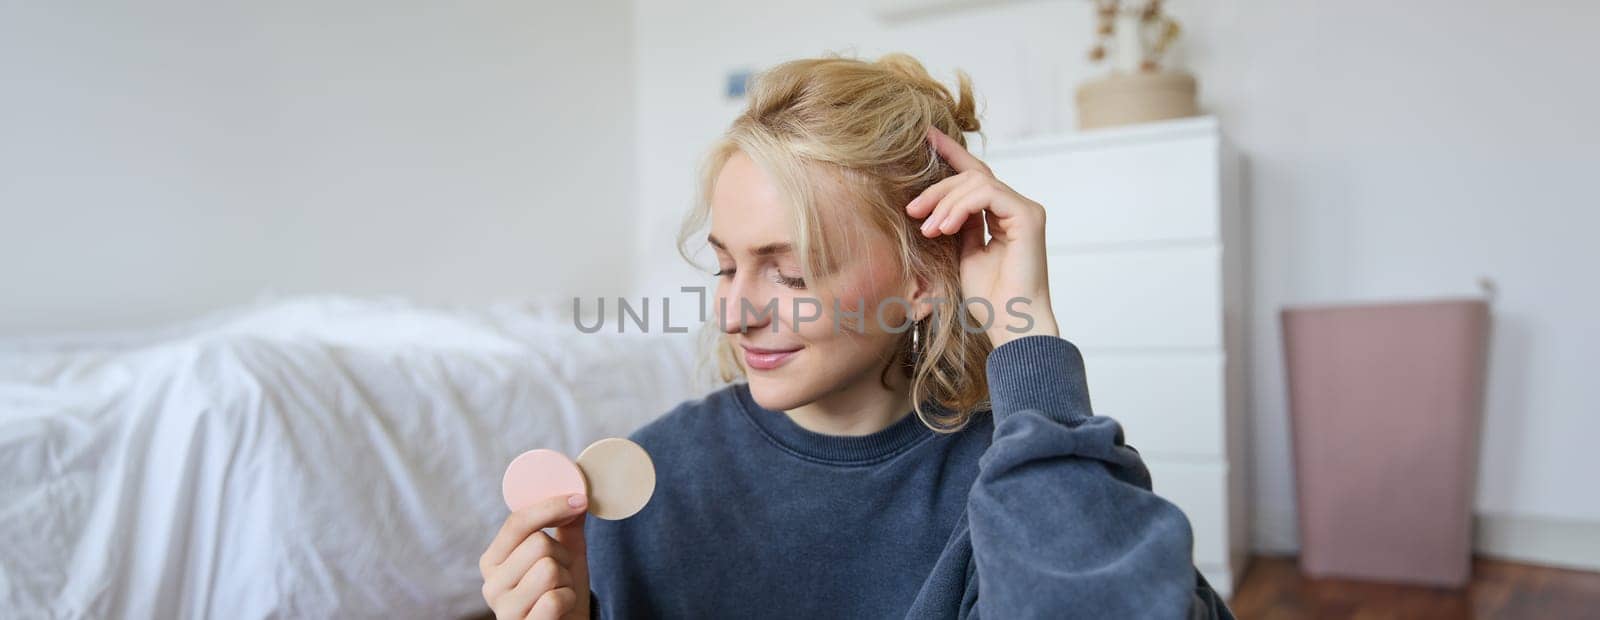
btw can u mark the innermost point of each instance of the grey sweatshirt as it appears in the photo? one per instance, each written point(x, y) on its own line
point(1037, 509)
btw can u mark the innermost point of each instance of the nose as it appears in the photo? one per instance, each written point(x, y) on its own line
point(740, 306)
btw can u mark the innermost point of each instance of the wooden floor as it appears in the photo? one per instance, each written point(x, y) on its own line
point(1273, 589)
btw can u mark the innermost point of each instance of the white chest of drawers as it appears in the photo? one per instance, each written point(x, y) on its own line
point(1147, 275)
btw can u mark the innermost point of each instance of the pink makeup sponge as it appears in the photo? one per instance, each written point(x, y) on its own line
point(538, 474)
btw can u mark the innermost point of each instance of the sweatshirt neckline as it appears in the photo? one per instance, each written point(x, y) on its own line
point(807, 444)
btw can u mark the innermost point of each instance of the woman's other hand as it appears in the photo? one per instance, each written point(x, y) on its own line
point(530, 574)
point(1010, 264)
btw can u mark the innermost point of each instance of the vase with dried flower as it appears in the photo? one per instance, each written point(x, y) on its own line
point(1135, 37)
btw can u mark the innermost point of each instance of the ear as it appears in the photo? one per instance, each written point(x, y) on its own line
point(922, 293)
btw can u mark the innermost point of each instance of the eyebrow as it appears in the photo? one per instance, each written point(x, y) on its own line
point(770, 249)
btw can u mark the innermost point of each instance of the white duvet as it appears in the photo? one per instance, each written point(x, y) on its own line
point(311, 458)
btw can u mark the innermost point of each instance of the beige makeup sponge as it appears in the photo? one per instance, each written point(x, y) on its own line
point(621, 477)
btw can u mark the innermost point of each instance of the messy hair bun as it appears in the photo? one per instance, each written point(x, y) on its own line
point(847, 138)
point(963, 109)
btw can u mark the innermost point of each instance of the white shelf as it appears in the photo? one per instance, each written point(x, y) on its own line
point(1157, 131)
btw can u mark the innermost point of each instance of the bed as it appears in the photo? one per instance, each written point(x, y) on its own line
point(306, 457)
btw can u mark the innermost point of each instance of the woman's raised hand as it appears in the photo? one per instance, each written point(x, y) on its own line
point(530, 574)
point(1007, 266)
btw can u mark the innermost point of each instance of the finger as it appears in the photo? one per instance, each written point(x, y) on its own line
point(933, 226)
point(923, 204)
point(970, 204)
point(953, 152)
point(1008, 212)
point(536, 546)
point(544, 576)
point(515, 603)
point(547, 513)
point(554, 604)
point(508, 573)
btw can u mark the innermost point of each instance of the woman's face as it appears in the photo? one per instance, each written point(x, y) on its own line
point(794, 347)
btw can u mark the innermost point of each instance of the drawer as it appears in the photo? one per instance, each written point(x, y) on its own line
point(1200, 489)
point(1170, 404)
point(1162, 298)
point(1138, 192)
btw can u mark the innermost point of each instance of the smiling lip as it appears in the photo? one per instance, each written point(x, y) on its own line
point(767, 359)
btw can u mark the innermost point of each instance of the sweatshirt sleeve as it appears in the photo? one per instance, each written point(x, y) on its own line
point(1062, 518)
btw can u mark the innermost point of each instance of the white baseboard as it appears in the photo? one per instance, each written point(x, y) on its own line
point(1535, 540)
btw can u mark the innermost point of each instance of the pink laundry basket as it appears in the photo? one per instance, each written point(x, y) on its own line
point(1385, 405)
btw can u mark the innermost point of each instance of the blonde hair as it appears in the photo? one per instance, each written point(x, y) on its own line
point(836, 135)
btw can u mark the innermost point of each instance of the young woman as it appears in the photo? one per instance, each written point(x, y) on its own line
point(891, 452)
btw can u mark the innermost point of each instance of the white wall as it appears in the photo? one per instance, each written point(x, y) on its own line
point(1396, 151)
point(160, 159)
